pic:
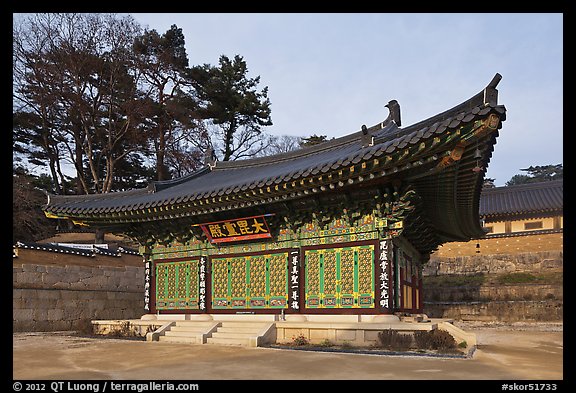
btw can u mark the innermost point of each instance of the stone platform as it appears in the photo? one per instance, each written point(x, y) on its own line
point(260, 329)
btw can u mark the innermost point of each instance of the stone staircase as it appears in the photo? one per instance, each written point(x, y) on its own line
point(241, 333)
point(249, 334)
point(191, 332)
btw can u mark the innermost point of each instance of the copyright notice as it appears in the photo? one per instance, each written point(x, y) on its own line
point(103, 386)
point(529, 386)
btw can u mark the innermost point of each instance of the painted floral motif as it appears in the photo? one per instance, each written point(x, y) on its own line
point(255, 278)
point(330, 272)
point(347, 271)
point(345, 278)
point(171, 280)
point(313, 273)
point(277, 269)
point(220, 278)
point(258, 276)
point(365, 274)
point(238, 277)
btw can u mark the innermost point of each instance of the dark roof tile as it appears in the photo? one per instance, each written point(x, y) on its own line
point(230, 177)
point(441, 128)
point(433, 128)
point(485, 111)
point(522, 198)
point(454, 123)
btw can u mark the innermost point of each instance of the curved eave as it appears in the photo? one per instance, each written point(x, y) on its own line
point(420, 153)
point(451, 197)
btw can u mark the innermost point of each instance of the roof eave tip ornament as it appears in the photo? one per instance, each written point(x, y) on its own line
point(393, 115)
point(210, 158)
point(490, 91)
point(367, 138)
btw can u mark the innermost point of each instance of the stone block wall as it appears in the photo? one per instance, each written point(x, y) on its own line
point(502, 311)
point(51, 297)
point(537, 261)
point(539, 255)
point(495, 292)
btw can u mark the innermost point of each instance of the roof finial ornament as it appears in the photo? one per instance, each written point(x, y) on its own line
point(394, 115)
point(367, 139)
point(490, 91)
point(210, 157)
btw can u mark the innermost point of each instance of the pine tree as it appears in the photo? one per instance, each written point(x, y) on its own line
point(233, 104)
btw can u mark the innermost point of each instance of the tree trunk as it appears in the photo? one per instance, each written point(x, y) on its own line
point(55, 183)
point(229, 141)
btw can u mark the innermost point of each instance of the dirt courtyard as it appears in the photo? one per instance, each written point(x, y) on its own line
point(504, 352)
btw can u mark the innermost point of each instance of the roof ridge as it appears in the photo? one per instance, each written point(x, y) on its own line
point(158, 185)
point(531, 185)
point(104, 195)
point(486, 97)
point(331, 144)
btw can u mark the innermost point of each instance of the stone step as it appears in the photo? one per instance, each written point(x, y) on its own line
point(228, 341)
point(171, 333)
point(194, 323)
point(190, 329)
point(255, 325)
point(176, 339)
point(226, 329)
point(220, 334)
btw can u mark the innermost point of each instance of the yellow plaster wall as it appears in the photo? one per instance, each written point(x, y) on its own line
point(503, 245)
point(518, 225)
point(497, 227)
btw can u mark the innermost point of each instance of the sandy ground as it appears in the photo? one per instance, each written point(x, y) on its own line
point(504, 352)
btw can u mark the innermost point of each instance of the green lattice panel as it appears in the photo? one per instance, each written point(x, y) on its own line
point(220, 283)
point(329, 284)
point(257, 282)
point(340, 277)
point(313, 268)
point(250, 282)
point(277, 275)
point(348, 276)
point(177, 285)
point(238, 283)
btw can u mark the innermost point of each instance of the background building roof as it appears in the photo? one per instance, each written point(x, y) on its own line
point(521, 199)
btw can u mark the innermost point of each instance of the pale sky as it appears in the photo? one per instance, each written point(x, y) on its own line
point(329, 73)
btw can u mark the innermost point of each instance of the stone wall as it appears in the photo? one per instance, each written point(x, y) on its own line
point(504, 311)
point(494, 292)
point(495, 263)
point(539, 255)
point(52, 297)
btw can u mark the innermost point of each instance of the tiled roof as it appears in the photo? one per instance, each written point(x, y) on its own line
point(437, 158)
point(85, 252)
point(230, 178)
point(544, 196)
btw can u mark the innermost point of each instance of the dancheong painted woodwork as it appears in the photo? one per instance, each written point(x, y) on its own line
point(252, 281)
point(340, 277)
point(340, 227)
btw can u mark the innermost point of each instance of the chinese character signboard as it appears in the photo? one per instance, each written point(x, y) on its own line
point(146, 284)
point(384, 280)
point(237, 229)
point(202, 284)
point(294, 284)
